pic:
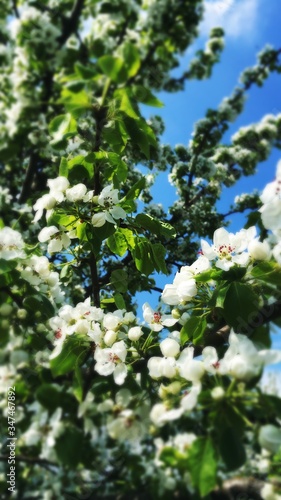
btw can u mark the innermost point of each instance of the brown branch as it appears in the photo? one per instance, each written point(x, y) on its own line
point(31, 460)
point(246, 487)
point(15, 8)
point(30, 171)
point(70, 24)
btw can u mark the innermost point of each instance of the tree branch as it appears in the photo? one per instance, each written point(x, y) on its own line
point(42, 462)
point(70, 24)
point(16, 11)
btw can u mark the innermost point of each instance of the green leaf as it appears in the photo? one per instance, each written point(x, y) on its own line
point(114, 166)
point(261, 336)
point(240, 305)
point(85, 72)
point(129, 236)
point(72, 354)
point(48, 396)
point(117, 243)
point(156, 226)
point(60, 218)
point(231, 448)
point(173, 458)
point(138, 136)
point(119, 301)
point(142, 257)
point(119, 280)
point(63, 170)
point(114, 68)
point(116, 136)
point(69, 447)
point(84, 161)
point(271, 404)
point(203, 465)
point(135, 190)
point(211, 274)
point(132, 59)
point(62, 127)
point(158, 254)
point(269, 272)
point(7, 265)
point(125, 103)
point(218, 297)
point(144, 95)
point(193, 330)
point(66, 273)
point(75, 102)
point(235, 273)
point(40, 303)
point(96, 235)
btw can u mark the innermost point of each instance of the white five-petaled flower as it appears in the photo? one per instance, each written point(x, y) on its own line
point(155, 319)
point(58, 239)
point(229, 248)
point(111, 360)
point(11, 244)
point(108, 199)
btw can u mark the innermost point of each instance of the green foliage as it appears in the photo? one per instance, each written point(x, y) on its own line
point(202, 463)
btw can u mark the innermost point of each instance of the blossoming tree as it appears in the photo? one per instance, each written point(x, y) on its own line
point(108, 405)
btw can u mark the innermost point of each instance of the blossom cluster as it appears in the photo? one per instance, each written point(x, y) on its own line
point(107, 331)
point(36, 270)
point(242, 361)
point(97, 210)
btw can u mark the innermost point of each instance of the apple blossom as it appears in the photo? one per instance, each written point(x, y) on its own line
point(58, 239)
point(162, 367)
point(76, 192)
point(229, 248)
point(189, 368)
point(243, 361)
point(111, 360)
point(189, 399)
point(184, 287)
point(11, 244)
point(155, 319)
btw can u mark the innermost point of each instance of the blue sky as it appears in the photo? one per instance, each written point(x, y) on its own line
point(249, 25)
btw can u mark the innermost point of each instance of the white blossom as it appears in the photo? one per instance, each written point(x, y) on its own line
point(270, 437)
point(111, 360)
point(76, 193)
point(189, 368)
point(155, 319)
point(11, 244)
point(229, 248)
